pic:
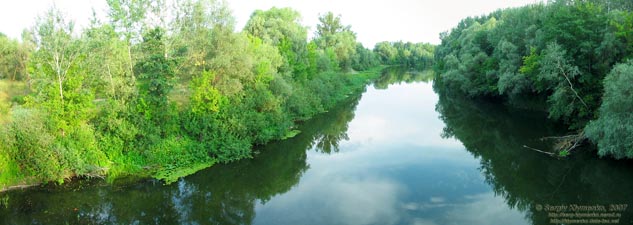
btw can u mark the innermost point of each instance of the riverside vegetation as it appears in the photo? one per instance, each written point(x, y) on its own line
point(163, 90)
point(571, 59)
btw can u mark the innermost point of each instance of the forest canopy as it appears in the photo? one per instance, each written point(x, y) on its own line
point(569, 58)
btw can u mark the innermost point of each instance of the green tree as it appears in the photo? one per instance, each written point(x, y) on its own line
point(58, 53)
point(364, 58)
point(194, 27)
point(108, 63)
point(127, 17)
point(612, 130)
point(332, 35)
point(560, 76)
point(329, 25)
point(155, 78)
point(13, 58)
point(419, 55)
point(281, 27)
point(57, 65)
point(387, 52)
point(63, 98)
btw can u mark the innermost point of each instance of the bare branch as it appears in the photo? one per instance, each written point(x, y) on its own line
point(571, 86)
point(538, 150)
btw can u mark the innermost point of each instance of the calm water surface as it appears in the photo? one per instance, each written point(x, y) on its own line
point(396, 154)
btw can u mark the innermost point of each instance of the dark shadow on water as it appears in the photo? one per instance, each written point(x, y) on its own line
point(528, 180)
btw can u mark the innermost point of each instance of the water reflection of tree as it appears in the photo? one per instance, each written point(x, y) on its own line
point(333, 126)
point(223, 194)
point(397, 75)
point(524, 178)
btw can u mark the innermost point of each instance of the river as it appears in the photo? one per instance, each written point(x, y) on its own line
point(397, 153)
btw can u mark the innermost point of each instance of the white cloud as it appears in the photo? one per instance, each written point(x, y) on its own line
point(359, 201)
point(485, 209)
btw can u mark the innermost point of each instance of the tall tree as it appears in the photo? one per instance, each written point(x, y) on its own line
point(155, 77)
point(330, 25)
point(127, 17)
point(281, 27)
point(332, 35)
point(194, 26)
point(612, 130)
point(57, 52)
point(108, 64)
point(561, 76)
point(10, 65)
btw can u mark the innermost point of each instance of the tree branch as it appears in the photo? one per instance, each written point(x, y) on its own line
point(571, 86)
point(538, 150)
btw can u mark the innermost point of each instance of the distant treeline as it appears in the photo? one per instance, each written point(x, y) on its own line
point(417, 55)
point(570, 58)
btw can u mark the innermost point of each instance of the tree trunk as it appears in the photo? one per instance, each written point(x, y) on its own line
point(61, 88)
point(60, 77)
point(111, 82)
point(129, 54)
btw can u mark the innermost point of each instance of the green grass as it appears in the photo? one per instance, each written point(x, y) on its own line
point(10, 91)
point(291, 134)
point(361, 78)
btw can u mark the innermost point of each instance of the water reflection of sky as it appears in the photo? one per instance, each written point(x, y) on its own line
point(394, 169)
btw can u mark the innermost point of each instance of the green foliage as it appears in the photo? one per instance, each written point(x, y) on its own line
point(291, 134)
point(151, 95)
point(329, 25)
point(11, 93)
point(551, 56)
point(201, 36)
point(28, 144)
point(171, 174)
point(612, 130)
point(108, 65)
point(277, 25)
point(281, 27)
point(563, 153)
point(417, 55)
point(558, 76)
point(127, 16)
point(531, 64)
point(13, 58)
point(155, 71)
point(333, 37)
point(205, 98)
point(155, 83)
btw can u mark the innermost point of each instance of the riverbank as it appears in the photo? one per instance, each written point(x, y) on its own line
point(166, 167)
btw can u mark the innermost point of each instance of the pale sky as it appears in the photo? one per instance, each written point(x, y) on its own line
point(373, 21)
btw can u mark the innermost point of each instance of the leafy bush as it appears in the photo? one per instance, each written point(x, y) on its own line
point(27, 143)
